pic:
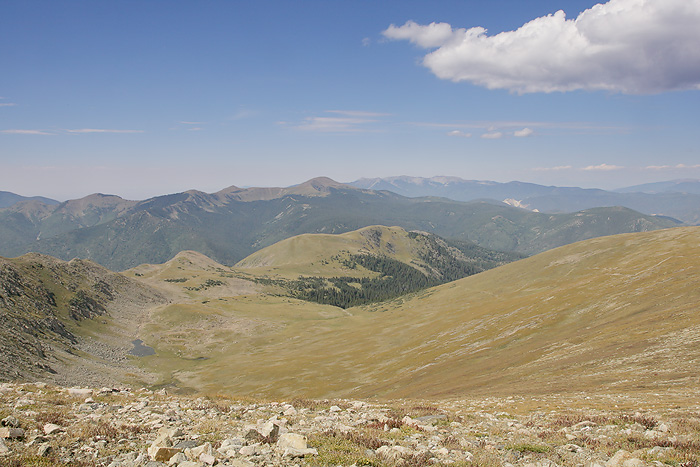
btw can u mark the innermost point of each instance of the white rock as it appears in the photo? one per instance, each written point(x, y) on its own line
point(335, 408)
point(292, 440)
point(241, 463)
point(291, 452)
point(161, 453)
point(624, 458)
point(194, 454)
point(51, 428)
point(3, 447)
point(79, 392)
point(177, 459)
point(250, 450)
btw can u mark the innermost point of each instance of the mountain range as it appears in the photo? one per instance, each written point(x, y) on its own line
point(233, 223)
point(679, 199)
point(7, 199)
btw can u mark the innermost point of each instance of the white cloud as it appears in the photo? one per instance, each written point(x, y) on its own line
point(669, 167)
point(192, 123)
point(492, 135)
point(602, 167)
point(366, 42)
point(433, 35)
point(349, 121)
point(628, 46)
point(25, 132)
point(101, 130)
point(459, 133)
point(524, 133)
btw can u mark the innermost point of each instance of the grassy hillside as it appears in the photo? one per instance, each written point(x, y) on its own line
point(368, 265)
point(609, 314)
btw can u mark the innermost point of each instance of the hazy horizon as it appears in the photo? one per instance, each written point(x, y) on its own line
point(143, 99)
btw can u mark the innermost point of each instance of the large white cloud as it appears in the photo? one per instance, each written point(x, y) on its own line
point(628, 46)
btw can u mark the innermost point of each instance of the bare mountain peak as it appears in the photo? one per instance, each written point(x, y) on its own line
point(318, 184)
point(229, 190)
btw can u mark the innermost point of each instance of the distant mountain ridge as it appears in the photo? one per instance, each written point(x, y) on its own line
point(233, 223)
point(686, 185)
point(7, 199)
point(679, 199)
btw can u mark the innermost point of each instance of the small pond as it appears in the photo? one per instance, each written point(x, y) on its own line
point(141, 350)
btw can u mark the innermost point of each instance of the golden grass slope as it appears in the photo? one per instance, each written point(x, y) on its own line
point(322, 254)
point(610, 314)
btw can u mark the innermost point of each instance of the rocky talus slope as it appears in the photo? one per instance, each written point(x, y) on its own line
point(46, 425)
point(49, 310)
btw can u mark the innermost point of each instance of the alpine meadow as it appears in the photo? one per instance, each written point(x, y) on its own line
point(342, 234)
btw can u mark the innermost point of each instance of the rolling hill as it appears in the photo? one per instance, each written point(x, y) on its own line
point(612, 314)
point(233, 223)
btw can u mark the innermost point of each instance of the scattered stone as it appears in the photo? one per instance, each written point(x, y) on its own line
point(241, 463)
point(52, 428)
point(250, 450)
point(161, 453)
point(254, 436)
point(142, 429)
point(79, 392)
point(624, 458)
point(11, 433)
point(44, 450)
point(177, 459)
point(36, 439)
point(3, 447)
point(10, 421)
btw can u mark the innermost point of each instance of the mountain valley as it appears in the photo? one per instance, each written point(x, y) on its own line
point(369, 332)
point(234, 223)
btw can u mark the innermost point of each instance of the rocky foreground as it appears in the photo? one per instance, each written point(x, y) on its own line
point(44, 425)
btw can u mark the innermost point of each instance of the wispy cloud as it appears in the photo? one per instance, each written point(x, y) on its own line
point(524, 133)
point(192, 123)
point(670, 167)
point(558, 168)
point(627, 46)
point(64, 131)
point(7, 104)
point(493, 135)
point(358, 113)
point(349, 121)
point(459, 133)
point(102, 130)
point(512, 125)
point(25, 132)
point(602, 167)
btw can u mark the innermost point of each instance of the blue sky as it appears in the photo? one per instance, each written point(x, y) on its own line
point(144, 98)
